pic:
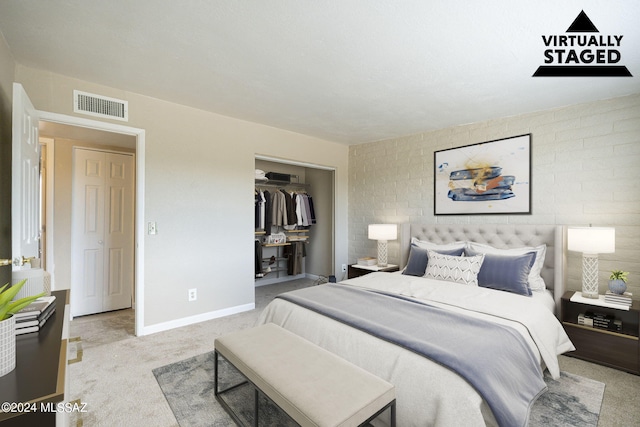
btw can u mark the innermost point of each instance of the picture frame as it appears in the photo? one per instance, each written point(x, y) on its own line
point(492, 177)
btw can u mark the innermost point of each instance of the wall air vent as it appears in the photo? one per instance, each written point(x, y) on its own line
point(100, 106)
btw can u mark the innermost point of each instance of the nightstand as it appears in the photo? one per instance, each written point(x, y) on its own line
point(620, 350)
point(356, 270)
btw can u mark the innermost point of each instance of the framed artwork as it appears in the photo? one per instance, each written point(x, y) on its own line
point(492, 177)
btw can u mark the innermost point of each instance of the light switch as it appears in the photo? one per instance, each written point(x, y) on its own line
point(153, 228)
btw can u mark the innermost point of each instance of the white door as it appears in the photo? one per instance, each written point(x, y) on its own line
point(102, 234)
point(25, 177)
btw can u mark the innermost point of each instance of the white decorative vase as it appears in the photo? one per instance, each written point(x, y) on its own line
point(7, 345)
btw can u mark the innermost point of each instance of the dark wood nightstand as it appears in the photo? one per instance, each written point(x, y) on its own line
point(356, 270)
point(620, 350)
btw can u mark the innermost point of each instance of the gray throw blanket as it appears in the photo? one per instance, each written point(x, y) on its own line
point(493, 358)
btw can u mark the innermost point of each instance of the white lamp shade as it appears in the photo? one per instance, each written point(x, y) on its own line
point(383, 232)
point(592, 240)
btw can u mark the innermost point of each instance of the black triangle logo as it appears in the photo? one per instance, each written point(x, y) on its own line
point(582, 24)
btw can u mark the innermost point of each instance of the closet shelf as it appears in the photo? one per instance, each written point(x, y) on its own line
point(279, 184)
point(271, 245)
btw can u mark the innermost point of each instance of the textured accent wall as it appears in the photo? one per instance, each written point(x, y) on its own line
point(585, 170)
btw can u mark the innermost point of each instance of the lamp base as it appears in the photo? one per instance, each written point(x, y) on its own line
point(590, 276)
point(382, 253)
point(588, 295)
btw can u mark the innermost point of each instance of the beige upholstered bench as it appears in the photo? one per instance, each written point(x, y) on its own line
point(313, 386)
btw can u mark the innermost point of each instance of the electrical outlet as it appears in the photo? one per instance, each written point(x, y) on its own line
point(344, 268)
point(193, 294)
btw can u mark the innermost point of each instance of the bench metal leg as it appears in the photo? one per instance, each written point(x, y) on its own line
point(215, 373)
point(218, 393)
point(391, 406)
point(393, 414)
point(255, 408)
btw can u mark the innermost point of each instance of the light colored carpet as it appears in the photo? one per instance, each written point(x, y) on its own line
point(114, 377)
point(116, 382)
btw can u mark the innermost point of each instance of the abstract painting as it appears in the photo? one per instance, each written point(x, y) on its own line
point(492, 177)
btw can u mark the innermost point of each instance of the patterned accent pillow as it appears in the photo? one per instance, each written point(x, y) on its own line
point(457, 269)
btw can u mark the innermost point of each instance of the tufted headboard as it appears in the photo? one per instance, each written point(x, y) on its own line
point(500, 236)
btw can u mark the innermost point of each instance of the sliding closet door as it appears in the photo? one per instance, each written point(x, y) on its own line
point(102, 231)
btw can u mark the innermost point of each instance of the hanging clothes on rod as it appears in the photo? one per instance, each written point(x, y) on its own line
point(305, 210)
point(279, 209)
point(283, 211)
point(263, 210)
point(291, 210)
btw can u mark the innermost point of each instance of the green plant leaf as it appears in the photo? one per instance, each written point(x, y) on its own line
point(18, 305)
point(8, 294)
point(7, 306)
point(619, 275)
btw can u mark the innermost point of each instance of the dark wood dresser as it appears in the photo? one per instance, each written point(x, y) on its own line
point(39, 381)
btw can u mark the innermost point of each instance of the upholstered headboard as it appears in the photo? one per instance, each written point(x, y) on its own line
point(500, 236)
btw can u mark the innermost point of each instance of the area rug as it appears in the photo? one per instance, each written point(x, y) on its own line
point(571, 400)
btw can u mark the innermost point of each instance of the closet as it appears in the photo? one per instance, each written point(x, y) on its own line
point(293, 222)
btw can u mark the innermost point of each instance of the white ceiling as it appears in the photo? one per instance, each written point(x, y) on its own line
point(349, 71)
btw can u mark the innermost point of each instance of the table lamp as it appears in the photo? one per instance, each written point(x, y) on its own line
point(591, 241)
point(382, 233)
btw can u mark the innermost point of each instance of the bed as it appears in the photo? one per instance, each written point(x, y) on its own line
point(430, 391)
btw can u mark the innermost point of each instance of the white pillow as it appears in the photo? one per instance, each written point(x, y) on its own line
point(536, 282)
point(457, 269)
point(435, 246)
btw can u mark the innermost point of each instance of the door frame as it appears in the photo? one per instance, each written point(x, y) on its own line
point(258, 156)
point(139, 236)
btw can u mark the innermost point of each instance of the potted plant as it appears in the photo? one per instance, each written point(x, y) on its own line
point(8, 323)
point(618, 281)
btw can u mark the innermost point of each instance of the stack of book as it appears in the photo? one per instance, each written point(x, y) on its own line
point(621, 299)
point(35, 315)
point(600, 320)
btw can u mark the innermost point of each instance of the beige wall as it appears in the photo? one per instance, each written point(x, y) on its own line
point(199, 184)
point(7, 69)
point(584, 171)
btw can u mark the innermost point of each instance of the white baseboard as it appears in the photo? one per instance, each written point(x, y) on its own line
point(165, 326)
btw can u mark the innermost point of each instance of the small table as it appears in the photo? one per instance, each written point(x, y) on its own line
point(620, 350)
point(357, 270)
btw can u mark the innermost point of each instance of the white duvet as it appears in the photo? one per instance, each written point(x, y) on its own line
point(427, 393)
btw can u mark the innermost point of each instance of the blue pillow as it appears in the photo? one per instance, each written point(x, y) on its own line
point(418, 259)
point(505, 273)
